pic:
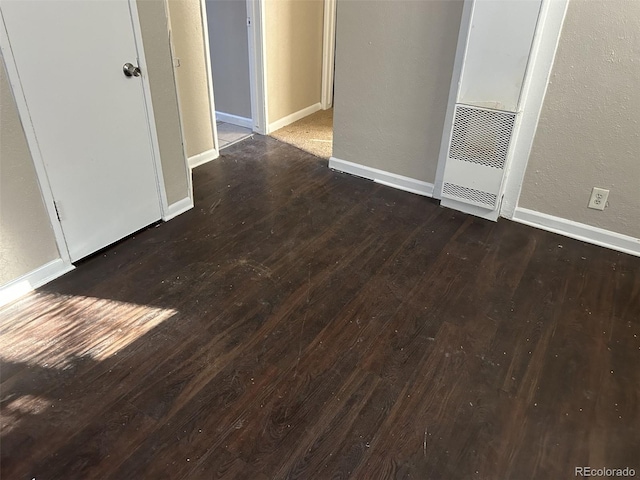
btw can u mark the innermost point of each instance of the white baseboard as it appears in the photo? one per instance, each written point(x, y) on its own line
point(470, 209)
point(32, 280)
point(385, 178)
point(579, 231)
point(294, 117)
point(204, 157)
point(177, 208)
point(234, 120)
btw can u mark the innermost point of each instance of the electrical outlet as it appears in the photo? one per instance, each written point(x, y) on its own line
point(598, 198)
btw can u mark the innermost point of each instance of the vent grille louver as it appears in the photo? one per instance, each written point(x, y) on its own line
point(477, 155)
point(476, 196)
point(481, 136)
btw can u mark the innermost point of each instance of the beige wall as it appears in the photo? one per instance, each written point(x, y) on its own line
point(155, 33)
point(229, 45)
point(394, 62)
point(589, 130)
point(191, 75)
point(26, 237)
point(293, 31)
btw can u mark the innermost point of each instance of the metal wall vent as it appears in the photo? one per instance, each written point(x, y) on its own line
point(481, 136)
point(476, 196)
point(477, 155)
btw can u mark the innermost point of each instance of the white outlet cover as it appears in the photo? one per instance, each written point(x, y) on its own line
point(598, 198)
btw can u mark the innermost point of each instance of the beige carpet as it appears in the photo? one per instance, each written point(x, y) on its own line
point(313, 134)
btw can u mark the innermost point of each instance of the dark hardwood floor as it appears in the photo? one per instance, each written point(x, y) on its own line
point(302, 323)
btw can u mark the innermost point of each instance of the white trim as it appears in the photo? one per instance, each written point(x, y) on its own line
point(389, 179)
point(204, 157)
point(151, 119)
point(294, 117)
point(543, 51)
point(32, 280)
point(579, 231)
point(470, 209)
point(257, 65)
point(456, 76)
point(328, 53)
point(180, 122)
point(32, 141)
point(207, 63)
point(234, 120)
point(178, 208)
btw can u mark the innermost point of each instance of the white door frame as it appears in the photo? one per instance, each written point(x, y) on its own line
point(207, 61)
point(257, 65)
point(214, 153)
point(328, 53)
point(32, 141)
point(534, 89)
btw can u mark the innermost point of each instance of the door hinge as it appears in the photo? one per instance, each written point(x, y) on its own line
point(58, 209)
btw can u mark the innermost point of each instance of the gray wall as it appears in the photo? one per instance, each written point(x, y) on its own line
point(155, 33)
point(26, 237)
point(229, 48)
point(191, 76)
point(589, 130)
point(293, 31)
point(394, 62)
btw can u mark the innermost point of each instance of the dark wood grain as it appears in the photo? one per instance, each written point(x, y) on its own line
point(302, 323)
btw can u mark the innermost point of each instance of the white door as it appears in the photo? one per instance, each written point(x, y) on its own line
point(89, 118)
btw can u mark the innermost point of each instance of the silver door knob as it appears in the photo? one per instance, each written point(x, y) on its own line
point(130, 70)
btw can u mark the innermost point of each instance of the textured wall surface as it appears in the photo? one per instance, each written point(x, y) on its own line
point(191, 75)
point(394, 62)
point(155, 33)
point(26, 237)
point(229, 45)
point(293, 30)
point(589, 129)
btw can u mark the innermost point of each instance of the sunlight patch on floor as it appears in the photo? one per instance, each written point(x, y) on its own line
point(60, 328)
point(14, 410)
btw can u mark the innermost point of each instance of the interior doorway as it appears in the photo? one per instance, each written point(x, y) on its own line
point(229, 60)
point(277, 59)
point(311, 129)
point(270, 64)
